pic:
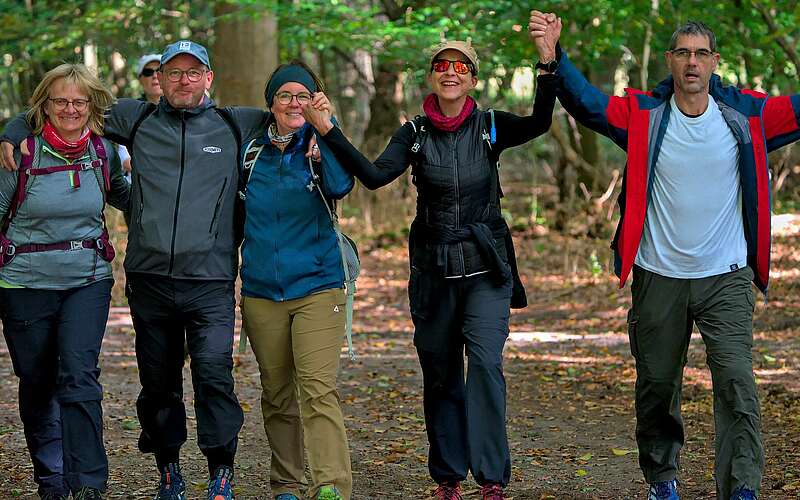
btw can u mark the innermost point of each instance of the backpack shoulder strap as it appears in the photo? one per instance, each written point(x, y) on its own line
point(22, 181)
point(147, 112)
point(102, 155)
point(251, 154)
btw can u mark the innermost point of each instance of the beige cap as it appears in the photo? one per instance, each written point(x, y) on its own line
point(463, 47)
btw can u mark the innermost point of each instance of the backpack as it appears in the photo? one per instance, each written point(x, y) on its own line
point(351, 264)
point(102, 244)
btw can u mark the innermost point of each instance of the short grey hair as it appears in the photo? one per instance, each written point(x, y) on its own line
point(694, 28)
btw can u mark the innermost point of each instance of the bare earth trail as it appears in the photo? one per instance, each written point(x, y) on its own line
point(570, 392)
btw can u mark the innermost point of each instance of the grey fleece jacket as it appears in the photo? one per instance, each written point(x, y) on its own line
point(53, 211)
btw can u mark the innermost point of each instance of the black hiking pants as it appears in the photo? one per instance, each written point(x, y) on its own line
point(167, 311)
point(54, 339)
point(465, 419)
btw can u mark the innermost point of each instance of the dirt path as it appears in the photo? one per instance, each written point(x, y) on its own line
point(570, 387)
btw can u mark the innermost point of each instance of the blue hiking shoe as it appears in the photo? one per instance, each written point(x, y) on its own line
point(286, 496)
point(329, 493)
point(663, 490)
point(171, 486)
point(743, 493)
point(219, 485)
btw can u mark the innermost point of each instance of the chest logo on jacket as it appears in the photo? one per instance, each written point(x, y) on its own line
point(212, 149)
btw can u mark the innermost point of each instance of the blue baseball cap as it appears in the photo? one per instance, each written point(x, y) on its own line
point(186, 47)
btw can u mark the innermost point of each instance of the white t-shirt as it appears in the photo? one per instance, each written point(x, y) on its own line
point(694, 226)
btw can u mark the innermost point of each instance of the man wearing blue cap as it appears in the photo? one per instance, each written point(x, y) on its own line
point(181, 262)
point(182, 259)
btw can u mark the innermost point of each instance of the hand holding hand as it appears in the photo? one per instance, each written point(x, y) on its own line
point(545, 31)
point(318, 113)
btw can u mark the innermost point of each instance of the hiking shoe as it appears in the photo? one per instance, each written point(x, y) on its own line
point(492, 491)
point(171, 486)
point(87, 493)
point(54, 496)
point(286, 496)
point(663, 490)
point(219, 485)
point(329, 493)
point(743, 493)
point(448, 491)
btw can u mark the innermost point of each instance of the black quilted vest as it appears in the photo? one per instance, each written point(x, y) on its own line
point(457, 184)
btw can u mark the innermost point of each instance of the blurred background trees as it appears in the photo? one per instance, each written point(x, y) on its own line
point(373, 56)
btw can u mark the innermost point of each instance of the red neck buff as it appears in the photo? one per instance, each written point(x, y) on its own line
point(68, 149)
point(442, 122)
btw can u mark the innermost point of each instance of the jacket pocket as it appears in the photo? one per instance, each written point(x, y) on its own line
point(418, 286)
point(633, 325)
point(215, 216)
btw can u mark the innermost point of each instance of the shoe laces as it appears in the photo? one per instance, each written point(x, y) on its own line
point(448, 492)
point(744, 493)
point(171, 482)
point(87, 493)
point(492, 492)
point(662, 490)
point(219, 485)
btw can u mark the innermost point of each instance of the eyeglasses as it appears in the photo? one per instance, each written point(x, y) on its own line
point(685, 54)
point(77, 104)
point(148, 72)
point(460, 67)
point(285, 98)
point(175, 75)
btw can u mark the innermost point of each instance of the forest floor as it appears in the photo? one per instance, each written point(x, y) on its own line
point(570, 380)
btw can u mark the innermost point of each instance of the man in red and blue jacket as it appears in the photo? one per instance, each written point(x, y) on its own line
point(695, 231)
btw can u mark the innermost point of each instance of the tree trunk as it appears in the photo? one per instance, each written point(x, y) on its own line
point(245, 53)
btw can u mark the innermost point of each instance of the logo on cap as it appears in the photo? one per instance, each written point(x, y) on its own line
point(185, 46)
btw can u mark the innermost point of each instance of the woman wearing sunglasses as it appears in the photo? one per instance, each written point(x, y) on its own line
point(463, 270)
point(293, 304)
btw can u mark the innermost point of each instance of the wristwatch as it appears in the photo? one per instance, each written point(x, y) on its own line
point(550, 67)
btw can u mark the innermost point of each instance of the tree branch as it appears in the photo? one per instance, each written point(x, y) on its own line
point(785, 42)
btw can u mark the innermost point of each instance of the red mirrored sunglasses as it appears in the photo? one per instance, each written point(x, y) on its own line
point(460, 67)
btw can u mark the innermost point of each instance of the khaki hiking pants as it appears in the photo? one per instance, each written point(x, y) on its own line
point(297, 344)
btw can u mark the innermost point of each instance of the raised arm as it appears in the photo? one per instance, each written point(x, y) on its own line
point(390, 164)
point(606, 115)
point(513, 130)
point(781, 121)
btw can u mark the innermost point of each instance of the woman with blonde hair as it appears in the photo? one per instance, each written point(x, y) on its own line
point(55, 278)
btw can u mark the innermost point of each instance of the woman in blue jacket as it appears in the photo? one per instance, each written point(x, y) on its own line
point(292, 296)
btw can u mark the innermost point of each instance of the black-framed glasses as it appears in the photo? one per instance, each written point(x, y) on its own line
point(175, 75)
point(685, 54)
point(77, 104)
point(148, 72)
point(285, 98)
point(460, 67)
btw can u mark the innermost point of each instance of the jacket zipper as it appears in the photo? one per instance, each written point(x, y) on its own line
point(453, 137)
point(278, 224)
point(178, 195)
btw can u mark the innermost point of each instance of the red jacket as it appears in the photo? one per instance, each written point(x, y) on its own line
point(637, 122)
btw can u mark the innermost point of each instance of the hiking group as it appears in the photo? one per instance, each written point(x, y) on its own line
point(205, 180)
